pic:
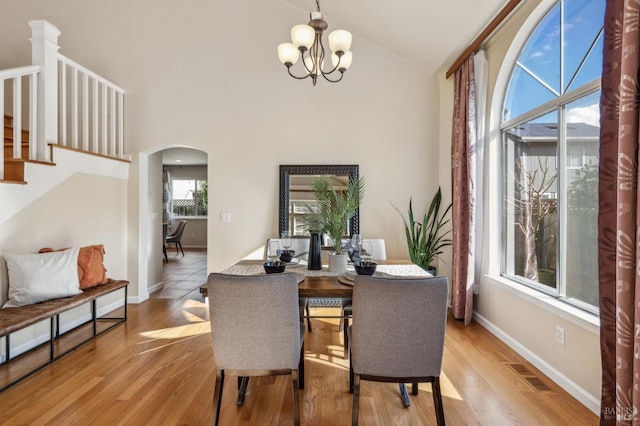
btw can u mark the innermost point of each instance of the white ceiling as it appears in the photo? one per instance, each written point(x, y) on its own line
point(183, 157)
point(428, 33)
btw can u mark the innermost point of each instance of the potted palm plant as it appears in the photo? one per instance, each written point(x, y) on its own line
point(331, 215)
point(426, 239)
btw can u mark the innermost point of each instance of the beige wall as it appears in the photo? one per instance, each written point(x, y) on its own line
point(525, 320)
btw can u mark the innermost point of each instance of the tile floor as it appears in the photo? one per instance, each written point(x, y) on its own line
point(183, 275)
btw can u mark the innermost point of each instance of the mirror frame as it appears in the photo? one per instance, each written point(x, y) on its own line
point(351, 170)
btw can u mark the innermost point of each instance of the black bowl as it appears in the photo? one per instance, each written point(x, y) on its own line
point(287, 255)
point(365, 267)
point(274, 267)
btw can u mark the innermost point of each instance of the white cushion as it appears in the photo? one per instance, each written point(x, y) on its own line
point(38, 277)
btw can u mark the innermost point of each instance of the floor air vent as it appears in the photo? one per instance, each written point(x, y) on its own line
point(529, 377)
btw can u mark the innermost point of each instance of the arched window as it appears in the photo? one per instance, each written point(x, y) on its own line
point(550, 152)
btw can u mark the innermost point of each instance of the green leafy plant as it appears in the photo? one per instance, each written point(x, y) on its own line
point(426, 239)
point(334, 208)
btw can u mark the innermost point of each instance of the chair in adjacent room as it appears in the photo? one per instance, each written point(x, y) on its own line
point(176, 236)
point(397, 335)
point(164, 242)
point(301, 247)
point(256, 331)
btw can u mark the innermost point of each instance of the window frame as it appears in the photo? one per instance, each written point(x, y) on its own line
point(558, 104)
point(196, 203)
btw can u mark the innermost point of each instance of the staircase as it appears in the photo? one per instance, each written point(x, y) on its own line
point(14, 167)
point(56, 102)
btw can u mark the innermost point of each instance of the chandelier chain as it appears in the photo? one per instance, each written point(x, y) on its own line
point(318, 5)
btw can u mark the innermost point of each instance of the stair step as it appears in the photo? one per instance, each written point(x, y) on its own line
point(8, 134)
point(8, 120)
point(13, 170)
point(8, 151)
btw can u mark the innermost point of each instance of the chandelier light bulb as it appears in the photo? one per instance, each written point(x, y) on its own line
point(340, 41)
point(344, 60)
point(314, 66)
point(288, 53)
point(303, 35)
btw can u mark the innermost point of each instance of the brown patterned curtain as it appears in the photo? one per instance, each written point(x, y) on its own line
point(463, 181)
point(619, 213)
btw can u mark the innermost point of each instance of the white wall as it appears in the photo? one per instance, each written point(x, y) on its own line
point(155, 260)
point(524, 319)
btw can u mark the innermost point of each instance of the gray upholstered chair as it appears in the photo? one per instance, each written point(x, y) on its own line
point(379, 252)
point(397, 334)
point(301, 247)
point(256, 331)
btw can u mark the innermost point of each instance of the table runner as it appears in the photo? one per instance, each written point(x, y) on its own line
point(410, 270)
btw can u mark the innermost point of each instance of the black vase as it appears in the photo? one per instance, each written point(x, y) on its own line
point(315, 252)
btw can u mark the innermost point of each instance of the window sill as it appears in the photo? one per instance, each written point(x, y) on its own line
point(586, 320)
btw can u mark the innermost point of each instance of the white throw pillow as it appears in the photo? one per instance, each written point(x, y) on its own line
point(38, 277)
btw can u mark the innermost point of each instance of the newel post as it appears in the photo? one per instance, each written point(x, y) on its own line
point(44, 52)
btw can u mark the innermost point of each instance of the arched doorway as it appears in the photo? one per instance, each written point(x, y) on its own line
point(154, 210)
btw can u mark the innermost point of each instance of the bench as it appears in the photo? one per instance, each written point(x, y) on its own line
point(15, 319)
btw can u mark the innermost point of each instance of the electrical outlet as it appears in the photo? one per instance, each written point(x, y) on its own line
point(560, 335)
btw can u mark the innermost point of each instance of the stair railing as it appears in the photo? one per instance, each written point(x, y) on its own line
point(17, 76)
point(91, 111)
point(65, 103)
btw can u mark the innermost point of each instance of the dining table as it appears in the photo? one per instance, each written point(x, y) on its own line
point(324, 283)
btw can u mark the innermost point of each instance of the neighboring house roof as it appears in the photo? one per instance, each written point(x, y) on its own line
point(548, 132)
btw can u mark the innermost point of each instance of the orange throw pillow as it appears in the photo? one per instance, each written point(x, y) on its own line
point(91, 270)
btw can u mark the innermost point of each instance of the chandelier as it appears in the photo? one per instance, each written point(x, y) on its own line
point(307, 42)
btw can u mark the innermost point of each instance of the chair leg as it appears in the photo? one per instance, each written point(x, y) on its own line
point(350, 376)
point(217, 397)
point(437, 401)
point(164, 252)
point(180, 244)
point(242, 390)
point(308, 318)
point(296, 398)
point(414, 388)
point(301, 368)
point(345, 337)
point(356, 400)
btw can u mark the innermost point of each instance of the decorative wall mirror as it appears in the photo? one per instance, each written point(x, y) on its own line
point(296, 187)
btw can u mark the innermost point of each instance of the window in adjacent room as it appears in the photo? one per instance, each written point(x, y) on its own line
point(550, 154)
point(189, 197)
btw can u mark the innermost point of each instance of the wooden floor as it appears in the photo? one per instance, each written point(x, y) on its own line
point(157, 369)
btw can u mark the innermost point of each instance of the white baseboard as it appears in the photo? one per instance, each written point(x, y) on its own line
point(590, 401)
point(136, 300)
point(155, 287)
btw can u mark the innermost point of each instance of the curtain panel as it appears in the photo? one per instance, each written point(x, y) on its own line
point(463, 147)
point(618, 216)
